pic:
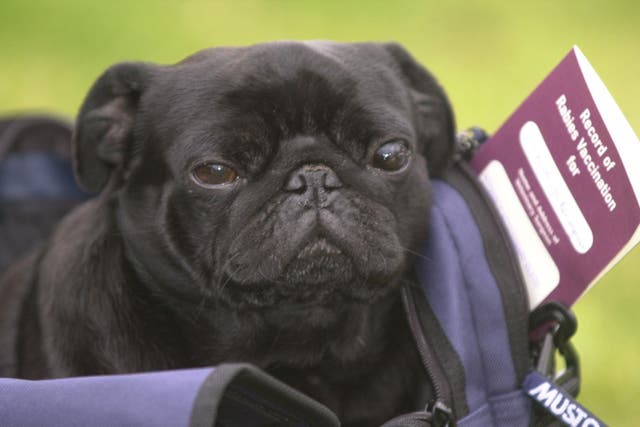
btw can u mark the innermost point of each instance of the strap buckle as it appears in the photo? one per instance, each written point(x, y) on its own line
point(556, 324)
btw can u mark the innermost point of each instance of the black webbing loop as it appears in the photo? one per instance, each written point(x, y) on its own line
point(557, 324)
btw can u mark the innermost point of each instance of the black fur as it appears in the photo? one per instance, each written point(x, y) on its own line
point(294, 267)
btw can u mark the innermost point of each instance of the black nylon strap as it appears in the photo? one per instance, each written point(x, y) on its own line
point(265, 401)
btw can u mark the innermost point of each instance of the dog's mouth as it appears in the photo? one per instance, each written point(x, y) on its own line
point(326, 258)
point(319, 247)
point(320, 272)
point(320, 262)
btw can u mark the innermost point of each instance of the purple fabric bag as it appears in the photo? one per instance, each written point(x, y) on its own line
point(229, 395)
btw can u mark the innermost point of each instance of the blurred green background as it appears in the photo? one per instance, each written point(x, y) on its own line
point(489, 55)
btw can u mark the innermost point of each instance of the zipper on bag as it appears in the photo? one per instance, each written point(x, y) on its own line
point(438, 411)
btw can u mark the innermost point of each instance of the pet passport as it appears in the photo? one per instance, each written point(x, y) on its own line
point(562, 171)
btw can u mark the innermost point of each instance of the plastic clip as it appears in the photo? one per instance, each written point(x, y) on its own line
point(558, 324)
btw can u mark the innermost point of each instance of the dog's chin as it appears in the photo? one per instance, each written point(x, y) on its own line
point(320, 277)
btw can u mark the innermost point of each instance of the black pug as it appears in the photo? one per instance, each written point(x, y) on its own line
point(260, 204)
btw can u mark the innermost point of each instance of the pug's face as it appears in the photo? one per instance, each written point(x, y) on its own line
point(283, 174)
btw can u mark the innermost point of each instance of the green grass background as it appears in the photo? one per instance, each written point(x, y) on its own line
point(489, 55)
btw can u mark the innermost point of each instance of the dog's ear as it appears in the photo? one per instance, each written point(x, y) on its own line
point(435, 121)
point(102, 137)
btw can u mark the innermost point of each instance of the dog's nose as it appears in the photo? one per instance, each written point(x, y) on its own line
point(315, 179)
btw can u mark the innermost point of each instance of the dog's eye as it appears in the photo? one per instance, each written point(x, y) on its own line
point(213, 174)
point(391, 156)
